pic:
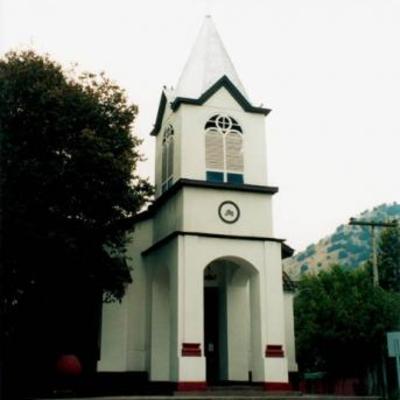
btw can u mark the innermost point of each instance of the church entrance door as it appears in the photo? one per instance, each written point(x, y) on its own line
point(211, 333)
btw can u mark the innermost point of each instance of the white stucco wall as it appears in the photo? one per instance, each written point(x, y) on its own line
point(169, 217)
point(124, 340)
point(160, 319)
point(138, 305)
point(200, 207)
point(194, 119)
point(114, 335)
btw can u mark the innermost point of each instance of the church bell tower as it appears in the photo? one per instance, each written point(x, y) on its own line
point(207, 269)
point(206, 128)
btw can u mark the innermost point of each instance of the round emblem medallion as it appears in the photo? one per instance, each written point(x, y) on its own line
point(229, 212)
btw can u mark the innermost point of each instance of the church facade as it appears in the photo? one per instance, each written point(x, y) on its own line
point(209, 301)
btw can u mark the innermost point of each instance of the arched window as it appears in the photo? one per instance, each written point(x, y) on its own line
point(167, 170)
point(224, 149)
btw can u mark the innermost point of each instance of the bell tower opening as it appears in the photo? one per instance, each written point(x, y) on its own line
point(224, 150)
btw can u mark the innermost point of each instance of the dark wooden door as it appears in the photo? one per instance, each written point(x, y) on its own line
point(211, 334)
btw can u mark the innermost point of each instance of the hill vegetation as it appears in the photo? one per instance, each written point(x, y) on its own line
point(349, 246)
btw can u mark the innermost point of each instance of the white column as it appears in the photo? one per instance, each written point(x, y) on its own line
point(276, 369)
point(187, 330)
point(289, 332)
point(257, 328)
point(160, 336)
point(238, 325)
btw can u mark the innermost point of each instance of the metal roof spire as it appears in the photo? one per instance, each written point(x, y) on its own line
point(207, 63)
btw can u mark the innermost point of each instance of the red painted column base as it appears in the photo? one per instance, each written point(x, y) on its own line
point(277, 386)
point(191, 386)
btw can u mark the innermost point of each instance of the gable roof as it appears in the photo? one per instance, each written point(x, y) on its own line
point(225, 82)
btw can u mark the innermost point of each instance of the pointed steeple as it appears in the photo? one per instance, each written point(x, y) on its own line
point(207, 63)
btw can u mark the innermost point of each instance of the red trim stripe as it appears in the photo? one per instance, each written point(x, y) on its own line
point(277, 386)
point(274, 350)
point(191, 386)
point(191, 350)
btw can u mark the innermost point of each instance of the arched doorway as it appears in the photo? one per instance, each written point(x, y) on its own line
point(229, 291)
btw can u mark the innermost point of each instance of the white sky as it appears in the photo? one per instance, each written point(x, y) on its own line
point(328, 69)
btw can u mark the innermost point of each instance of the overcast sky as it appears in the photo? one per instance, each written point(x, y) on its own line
point(328, 69)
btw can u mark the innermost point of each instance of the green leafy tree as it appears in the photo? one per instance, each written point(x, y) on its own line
point(68, 189)
point(389, 259)
point(340, 321)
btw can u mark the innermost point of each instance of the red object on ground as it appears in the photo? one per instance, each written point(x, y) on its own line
point(69, 364)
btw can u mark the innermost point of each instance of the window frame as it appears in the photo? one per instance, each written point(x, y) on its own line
point(167, 158)
point(224, 129)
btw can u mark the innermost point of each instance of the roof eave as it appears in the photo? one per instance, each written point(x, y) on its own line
point(160, 113)
point(230, 87)
point(222, 82)
point(287, 251)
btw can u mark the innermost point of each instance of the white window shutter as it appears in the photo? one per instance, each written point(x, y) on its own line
point(234, 152)
point(214, 150)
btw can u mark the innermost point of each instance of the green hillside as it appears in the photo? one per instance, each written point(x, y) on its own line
point(349, 246)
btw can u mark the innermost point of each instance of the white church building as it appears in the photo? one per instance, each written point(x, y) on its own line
point(209, 302)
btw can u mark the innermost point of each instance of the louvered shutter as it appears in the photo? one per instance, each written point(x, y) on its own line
point(234, 153)
point(214, 150)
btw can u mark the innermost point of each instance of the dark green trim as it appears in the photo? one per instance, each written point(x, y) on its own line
point(160, 113)
point(230, 87)
point(211, 185)
point(222, 82)
point(174, 234)
point(240, 187)
point(200, 184)
point(287, 251)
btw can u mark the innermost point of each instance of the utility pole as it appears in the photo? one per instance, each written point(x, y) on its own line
point(373, 225)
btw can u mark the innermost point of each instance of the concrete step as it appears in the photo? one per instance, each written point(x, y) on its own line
point(237, 396)
point(235, 390)
point(246, 393)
